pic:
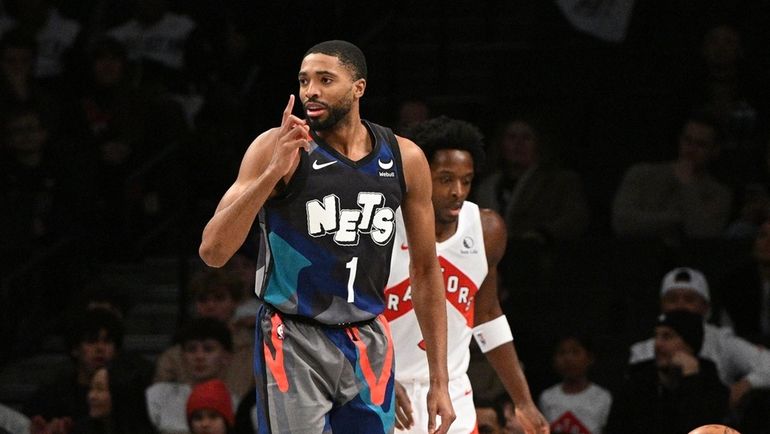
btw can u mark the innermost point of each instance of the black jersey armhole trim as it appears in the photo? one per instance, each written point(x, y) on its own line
point(397, 153)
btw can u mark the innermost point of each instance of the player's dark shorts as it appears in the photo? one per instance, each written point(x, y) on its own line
point(323, 379)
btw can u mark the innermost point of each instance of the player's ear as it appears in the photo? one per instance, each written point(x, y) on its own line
point(359, 86)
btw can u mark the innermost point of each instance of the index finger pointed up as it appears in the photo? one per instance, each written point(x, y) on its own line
point(287, 111)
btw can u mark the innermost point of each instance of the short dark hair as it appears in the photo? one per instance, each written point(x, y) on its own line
point(86, 326)
point(210, 280)
point(200, 329)
point(445, 133)
point(348, 54)
point(705, 117)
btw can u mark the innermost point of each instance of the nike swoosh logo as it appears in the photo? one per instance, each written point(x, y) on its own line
point(317, 165)
point(385, 166)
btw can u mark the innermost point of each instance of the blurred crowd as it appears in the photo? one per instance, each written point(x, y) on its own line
point(123, 121)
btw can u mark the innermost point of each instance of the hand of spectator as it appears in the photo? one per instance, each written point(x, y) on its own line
point(404, 420)
point(38, 425)
point(687, 362)
point(738, 390)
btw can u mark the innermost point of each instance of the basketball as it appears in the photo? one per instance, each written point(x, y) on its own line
point(714, 429)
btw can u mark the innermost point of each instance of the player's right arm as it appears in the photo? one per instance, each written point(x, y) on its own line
point(271, 157)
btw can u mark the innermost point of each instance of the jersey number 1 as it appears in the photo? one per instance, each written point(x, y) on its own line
point(352, 265)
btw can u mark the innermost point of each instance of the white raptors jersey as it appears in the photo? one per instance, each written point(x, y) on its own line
point(463, 262)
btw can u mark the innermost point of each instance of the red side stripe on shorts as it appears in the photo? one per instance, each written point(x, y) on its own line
point(275, 363)
point(377, 386)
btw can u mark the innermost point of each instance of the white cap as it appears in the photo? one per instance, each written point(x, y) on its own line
point(685, 278)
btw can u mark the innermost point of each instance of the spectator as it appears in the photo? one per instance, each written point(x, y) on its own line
point(675, 392)
point(508, 411)
point(741, 365)
point(489, 419)
point(410, 113)
point(18, 85)
point(536, 199)
point(206, 350)
point(59, 42)
point(94, 339)
point(116, 402)
point(157, 38)
point(746, 291)
point(217, 293)
point(210, 409)
point(676, 199)
point(576, 405)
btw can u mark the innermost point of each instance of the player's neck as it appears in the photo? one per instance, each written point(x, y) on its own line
point(349, 137)
point(445, 230)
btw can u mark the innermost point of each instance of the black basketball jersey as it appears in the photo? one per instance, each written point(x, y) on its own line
point(326, 239)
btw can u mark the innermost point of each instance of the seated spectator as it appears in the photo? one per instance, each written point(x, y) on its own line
point(746, 291)
point(58, 40)
point(116, 402)
point(508, 410)
point(537, 200)
point(94, 340)
point(206, 351)
point(489, 419)
point(576, 405)
point(210, 409)
point(741, 365)
point(676, 199)
point(157, 38)
point(676, 391)
point(18, 85)
point(410, 113)
point(216, 293)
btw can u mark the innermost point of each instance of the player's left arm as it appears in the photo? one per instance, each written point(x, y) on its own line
point(493, 334)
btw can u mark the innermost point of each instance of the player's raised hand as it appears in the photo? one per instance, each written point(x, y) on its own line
point(293, 134)
point(440, 404)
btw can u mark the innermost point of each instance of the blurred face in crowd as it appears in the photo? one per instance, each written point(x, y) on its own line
point(697, 144)
point(216, 303)
point(452, 173)
point(722, 46)
point(684, 298)
point(486, 419)
point(204, 359)
point(94, 353)
point(25, 134)
point(519, 145)
point(572, 360)
point(207, 421)
point(512, 425)
point(667, 343)
point(328, 90)
point(99, 398)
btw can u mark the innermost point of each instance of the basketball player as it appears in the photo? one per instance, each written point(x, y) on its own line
point(470, 243)
point(326, 190)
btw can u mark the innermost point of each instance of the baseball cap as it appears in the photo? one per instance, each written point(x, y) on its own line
point(685, 278)
point(211, 395)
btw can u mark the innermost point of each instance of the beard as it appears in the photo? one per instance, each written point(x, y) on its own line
point(335, 114)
